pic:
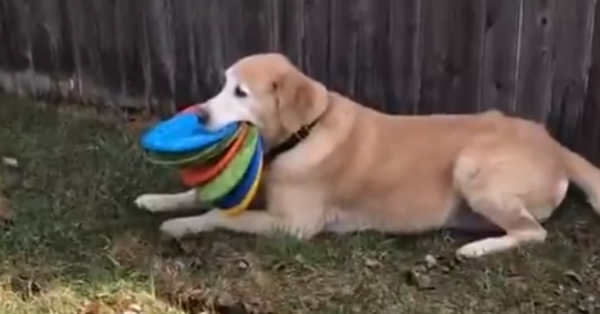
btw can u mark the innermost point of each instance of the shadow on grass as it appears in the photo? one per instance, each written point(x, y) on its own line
point(77, 245)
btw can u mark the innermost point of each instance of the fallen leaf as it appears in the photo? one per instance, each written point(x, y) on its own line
point(572, 275)
point(430, 261)
point(243, 265)
point(10, 162)
point(372, 263)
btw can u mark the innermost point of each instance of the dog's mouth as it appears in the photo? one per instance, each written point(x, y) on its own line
point(214, 126)
point(214, 121)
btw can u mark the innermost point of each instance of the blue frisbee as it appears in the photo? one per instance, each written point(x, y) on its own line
point(184, 133)
point(240, 192)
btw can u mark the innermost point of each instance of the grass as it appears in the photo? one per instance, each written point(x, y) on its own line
point(77, 245)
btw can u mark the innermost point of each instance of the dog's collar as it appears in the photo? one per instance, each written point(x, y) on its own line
point(291, 142)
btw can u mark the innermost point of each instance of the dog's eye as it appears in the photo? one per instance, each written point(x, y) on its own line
point(239, 92)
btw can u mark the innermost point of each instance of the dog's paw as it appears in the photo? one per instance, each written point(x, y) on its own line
point(180, 227)
point(175, 229)
point(151, 202)
point(486, 247)
point(472, 250)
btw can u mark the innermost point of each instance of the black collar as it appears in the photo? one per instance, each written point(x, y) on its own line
point(291, 142)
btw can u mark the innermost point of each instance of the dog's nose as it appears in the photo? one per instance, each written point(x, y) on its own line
point(203, 113)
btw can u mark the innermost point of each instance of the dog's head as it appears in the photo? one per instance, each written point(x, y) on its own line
point(269, 92)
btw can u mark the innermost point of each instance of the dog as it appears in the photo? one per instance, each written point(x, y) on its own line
point(341, 167)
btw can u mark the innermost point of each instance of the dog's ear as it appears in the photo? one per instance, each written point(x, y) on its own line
point(294, 99)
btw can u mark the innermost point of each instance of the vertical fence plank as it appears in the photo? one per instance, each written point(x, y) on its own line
point(257, 20)
point(210, 61)
point(243, 27)
point(535, 68)
point(42, 51)
point(404, 43)
point(85, 21)
point(130, 43)
point(109, 54)
point(51, 47)
point(589, 132)
point(572, 48)
point(317, 29)
point(6, 79)
point(372, 54)
point(345, 18)
point(273, 25)
point(20, 44)
point(234, 30)
point(358, 49)
point(502, 33)
point(212, 26)
point(452, 39)
point(216, 58)
point(230, 33)
point(15, 44)
point(158, 32)
point(292, 31)
point(304, 35)
point(185, 77)
point(64, 47)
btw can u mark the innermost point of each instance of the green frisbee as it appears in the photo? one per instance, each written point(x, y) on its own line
point(231, 175)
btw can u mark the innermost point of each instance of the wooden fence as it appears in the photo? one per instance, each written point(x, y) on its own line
point(529, 57)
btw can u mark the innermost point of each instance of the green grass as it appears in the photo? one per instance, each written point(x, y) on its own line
point(77, 245)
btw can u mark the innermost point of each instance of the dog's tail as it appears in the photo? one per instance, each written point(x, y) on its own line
point(585, 175)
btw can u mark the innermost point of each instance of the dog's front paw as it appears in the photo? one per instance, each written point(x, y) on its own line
point(174, 228)
point(472, 250)
point(180, 227)
point(151, 202)
point(486, 246)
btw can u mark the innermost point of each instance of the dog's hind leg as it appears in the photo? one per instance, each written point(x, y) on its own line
point(516, 204)
point(518, 223)
point(168, 202)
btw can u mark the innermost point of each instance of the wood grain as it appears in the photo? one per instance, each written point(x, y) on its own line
point(535, 70)
point(532, 58)
point(452, 47)
point(501, 42)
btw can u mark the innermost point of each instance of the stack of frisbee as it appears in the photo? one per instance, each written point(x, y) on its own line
point(224, 165)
